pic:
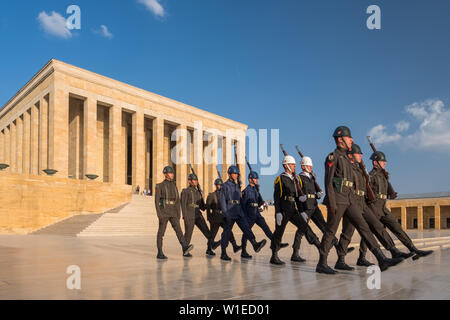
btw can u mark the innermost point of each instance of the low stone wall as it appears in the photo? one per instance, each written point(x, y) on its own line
point(29, 202)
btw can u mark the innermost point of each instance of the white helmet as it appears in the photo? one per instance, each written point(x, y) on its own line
point(307, 161)
point(289, 160)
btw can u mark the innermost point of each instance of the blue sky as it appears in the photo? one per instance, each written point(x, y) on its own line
point(303, 67)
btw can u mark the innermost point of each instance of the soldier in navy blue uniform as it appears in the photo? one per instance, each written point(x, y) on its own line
point(230, 203)
point(253, 205)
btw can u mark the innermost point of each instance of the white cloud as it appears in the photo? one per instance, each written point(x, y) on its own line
point(402, 126)
point(154, 6)
point(103, 31)
point(432, 130)
point(54, 24)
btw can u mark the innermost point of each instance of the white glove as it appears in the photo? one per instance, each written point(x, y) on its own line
point(319, 195)
point(279, 217)
point(303, 198)
point(304, 216)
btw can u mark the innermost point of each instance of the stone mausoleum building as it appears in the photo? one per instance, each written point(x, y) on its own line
point(83, 124)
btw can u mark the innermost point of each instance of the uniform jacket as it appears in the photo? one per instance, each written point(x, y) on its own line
point(308, 188)
point(230, 199)
point(167, 191)
point(214, 213)
point(192, 203)
point(379, 185)
point(285, 188)
point(251, 201)
point(338, 165)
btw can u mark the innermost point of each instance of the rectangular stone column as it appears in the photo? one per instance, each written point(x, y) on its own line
point(116, 168)
point(158, 151)
point(404, 218)
point(241, 160)
point(90, 137)
point(212, 163)
point(26, 142)
point(437, 217)
point(227, 152)
point(2, 146)
point(138, 162)
point(181, 161)
point(8, 147)
point(12, 147)
point(420, 218)
point(43, 135)
point(19, 145)
point(58, 137)
point(34, 161)
point(198, 154)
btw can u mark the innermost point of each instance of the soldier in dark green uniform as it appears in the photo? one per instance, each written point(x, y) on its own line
point(379, 181)
point(192, 205)
point(215, 216)
point(340, 201)
point(167, 202)
point(377, 228)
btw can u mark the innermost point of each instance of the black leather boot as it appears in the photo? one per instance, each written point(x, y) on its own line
point(224, 255)
point(275, 260)
point(363, 262)
point(398, 254)
point(187, 249)
point(284, 245)
point(383, 262)
point(419, 253)
point(236, 248)
point(341, 265)
point(257, 246)
point(296, 257)
point(161, 255)
point(209, 251)
point(322, 266)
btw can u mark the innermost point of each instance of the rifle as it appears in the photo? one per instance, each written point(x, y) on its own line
point(250, 168)
point(391, 192)
point(236, 163)
point(198, 186)
point(297, 183)
point(316, 185)
point(219, 174)
point(370, 193)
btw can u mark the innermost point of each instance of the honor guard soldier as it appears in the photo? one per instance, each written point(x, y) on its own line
point(215, 216)
point(379, 183)
point(287, 204)
point(230, 204)
point(167, 202)
point(192, 205)
point(377, 228)
point(310, 207)
point(340, 201)
point(252, 204)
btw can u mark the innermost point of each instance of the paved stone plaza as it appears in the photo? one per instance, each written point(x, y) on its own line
point(34, 267)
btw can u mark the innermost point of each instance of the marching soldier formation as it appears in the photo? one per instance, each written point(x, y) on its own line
point(352, 195)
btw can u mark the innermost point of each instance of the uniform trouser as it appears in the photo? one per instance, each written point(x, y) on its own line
point(215, 229)
point(392, 224)
point(318, 219)
point(242, 224)
point(200, 222)
point(295, 218)
point(261, 222)
point(354, 215)
point(175, 222)
point(375, 226)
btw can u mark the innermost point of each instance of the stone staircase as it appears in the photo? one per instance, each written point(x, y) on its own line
point(138, 218)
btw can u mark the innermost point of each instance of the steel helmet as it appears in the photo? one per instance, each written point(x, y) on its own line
point(289, 160)
point(307, 161)
point(192, 177)
point(378, 156)
point(168, 170)
point(355, 149)
point(233, 169)
point(218, 182)
point(342, 131)
point(253, 175)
